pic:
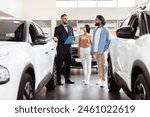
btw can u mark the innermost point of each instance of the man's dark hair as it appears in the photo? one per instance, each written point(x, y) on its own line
point(100, 17)
point(87, 28)
point(63, 15)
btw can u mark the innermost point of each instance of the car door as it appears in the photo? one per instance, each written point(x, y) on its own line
point(116, 48)
point(42, 52)
point(50, 51)
point(127, 49)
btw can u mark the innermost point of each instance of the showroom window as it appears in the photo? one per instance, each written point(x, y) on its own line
point(87, 3)
point(45, 25)
point(107, 3)
point(126, 3)
point(78, 25)
point(125, 22)
point(66, 3)
point(95, 3)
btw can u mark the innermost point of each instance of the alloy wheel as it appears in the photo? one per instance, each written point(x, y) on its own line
point(140, 92)
point(28, 91)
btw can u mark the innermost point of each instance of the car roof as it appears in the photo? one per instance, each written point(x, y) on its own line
point(13, 18)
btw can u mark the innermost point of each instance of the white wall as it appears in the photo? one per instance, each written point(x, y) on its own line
point(12, 7)
point(39, 9)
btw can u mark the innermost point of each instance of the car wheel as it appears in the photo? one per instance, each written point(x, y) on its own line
point(52, 83)
point(141, 90)
point(112, 86)
point(26, 88)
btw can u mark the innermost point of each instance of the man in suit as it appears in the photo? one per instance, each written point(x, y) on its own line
point(63, 50)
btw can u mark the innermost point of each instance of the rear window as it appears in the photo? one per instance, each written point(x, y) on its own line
point(11, 30)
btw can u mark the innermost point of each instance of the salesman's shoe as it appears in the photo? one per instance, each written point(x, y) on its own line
point(59, 83)
point(69, 82)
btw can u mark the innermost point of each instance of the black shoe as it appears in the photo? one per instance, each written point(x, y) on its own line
point(69, 82)
point(59, 83)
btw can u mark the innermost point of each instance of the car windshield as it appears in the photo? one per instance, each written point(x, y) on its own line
point(11, 30)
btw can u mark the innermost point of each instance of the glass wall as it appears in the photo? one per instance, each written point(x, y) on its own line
point(95, 3)
point(45, 25)
point(78, 25)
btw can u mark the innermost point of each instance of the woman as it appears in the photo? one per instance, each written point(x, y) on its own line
point(84, 49)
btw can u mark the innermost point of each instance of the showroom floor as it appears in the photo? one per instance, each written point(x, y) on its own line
point(79, 91)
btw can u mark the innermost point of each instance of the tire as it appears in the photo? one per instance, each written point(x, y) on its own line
point(141, 89)
point(26, 88)
point(52, 83)
point(112, 86)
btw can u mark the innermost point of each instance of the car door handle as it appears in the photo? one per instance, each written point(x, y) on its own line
point(46, 52)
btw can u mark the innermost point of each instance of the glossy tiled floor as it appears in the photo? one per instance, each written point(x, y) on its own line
point(79, 91)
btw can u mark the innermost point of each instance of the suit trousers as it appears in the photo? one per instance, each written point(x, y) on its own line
point(63, 58)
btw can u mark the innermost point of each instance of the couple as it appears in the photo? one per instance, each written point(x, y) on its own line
point(87, 47)
point(96, 46)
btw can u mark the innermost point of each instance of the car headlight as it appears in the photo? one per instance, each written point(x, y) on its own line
point(4, 75)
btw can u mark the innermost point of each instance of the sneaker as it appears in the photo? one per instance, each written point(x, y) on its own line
point(103, 83)
point(98, 83)
point(86, 83)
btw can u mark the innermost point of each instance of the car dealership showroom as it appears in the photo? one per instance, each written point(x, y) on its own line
point(74, 49)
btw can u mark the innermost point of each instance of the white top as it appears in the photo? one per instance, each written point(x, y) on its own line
point(66, 28)
point(97, 37)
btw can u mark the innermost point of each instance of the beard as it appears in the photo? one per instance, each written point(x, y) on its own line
point(97, 24)
point(65, 22)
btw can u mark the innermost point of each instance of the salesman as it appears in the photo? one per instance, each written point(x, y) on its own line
point(62, 32)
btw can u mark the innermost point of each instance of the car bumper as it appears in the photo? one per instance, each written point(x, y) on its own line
point(8, 91)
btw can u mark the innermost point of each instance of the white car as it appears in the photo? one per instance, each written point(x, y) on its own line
point(129, 57)
point(27, 59)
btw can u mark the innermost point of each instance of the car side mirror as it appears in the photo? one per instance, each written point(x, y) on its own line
point(40, 40)
point(125, 32)
point(41, 37)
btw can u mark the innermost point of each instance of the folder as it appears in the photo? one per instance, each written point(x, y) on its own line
point(69, 39)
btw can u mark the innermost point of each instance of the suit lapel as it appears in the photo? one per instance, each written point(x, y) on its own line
point(70, 31)
point(64, 30)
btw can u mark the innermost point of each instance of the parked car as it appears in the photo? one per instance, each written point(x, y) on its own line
point(129, 57)
point(27, 59)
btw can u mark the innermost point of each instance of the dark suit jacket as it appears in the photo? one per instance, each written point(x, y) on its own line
point(62, 35)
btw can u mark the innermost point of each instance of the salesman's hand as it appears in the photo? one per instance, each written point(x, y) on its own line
point(55, 39)
point(72, 42)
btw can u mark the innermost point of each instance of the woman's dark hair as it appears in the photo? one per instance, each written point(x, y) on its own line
point(87, 28)
point(100, 17)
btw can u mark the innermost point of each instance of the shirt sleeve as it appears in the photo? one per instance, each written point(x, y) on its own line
point(56, 33)
point(107, 40)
